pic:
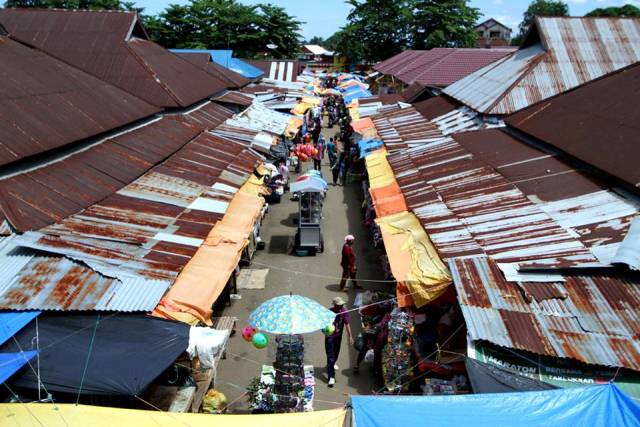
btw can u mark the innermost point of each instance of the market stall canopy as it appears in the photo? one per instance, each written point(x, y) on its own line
point(486, 378)
point(125, 352)
point(413, 259)
point(291, 314)
point(310, 184)
point(69, 415)
point(367, 146)
point(596, 405)
point(10, 363)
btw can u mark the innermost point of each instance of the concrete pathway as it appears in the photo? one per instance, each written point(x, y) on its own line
point(316, 277)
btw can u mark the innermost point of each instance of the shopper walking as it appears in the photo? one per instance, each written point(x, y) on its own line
point(348, 263)
point(332, 342)
point(335, 169)
point(317, 155)
point(332, 152)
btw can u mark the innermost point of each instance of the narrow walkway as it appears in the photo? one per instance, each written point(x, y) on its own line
point(316, 277)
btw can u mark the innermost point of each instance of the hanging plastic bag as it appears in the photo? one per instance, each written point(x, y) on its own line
point(214, 401)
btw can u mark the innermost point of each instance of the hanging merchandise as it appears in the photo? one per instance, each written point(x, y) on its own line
point(247, 333)
point(260, 340)
point(396, 356)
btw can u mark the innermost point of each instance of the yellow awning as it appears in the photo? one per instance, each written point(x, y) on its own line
point(69, 415)
point(379, 170)
point(413, 259)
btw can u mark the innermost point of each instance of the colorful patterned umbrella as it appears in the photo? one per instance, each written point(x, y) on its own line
point(290, 314)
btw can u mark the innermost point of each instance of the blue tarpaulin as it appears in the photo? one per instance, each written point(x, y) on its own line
point(593, 406)
point(226, 59)
point(11, 362)
point(12, 322)
point(366, 146)
point(356, 95)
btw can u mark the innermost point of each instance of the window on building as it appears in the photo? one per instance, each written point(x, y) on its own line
point(494, 34)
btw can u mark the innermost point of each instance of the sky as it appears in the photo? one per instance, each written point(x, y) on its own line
point(324, 17)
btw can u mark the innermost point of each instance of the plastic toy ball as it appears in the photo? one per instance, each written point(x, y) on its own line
point(248, 333)
point(329, 330)
point(260, 340)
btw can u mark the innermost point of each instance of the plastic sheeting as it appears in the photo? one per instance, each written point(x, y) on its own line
point(487, 378)
point(598, 405)
point(125, 355)
point(69, 415)
point(12, 322)
point(388, 200)
point(413, 259)
point(379, 170)
point(205, 276)
point(10, 363)
point(367, 146)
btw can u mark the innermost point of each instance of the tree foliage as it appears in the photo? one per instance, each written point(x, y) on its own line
point(447, 23)
point(542, 8)
point(226, 24)
point(626, 10)
point(378, 29)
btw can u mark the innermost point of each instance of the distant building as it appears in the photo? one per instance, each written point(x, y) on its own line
point(316, 56)
point(493, 33)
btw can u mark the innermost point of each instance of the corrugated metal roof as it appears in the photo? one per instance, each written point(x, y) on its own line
point(41, 96)
point(203, 60)
point(579, 123)
point(48, 194)
point(55, 283)
point(225, 58)
point(122, 253)
point(439, 66)
point(487, 192)
point(436, 106)
point(235, 97)
point(111, 45)
point(569, 53)
point(591, 318)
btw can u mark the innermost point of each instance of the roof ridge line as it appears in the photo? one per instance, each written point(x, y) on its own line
point(153, 74)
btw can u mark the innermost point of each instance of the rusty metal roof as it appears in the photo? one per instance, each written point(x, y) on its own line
point(591, 318)
point(203, 60)
point(111, 45)
point(598, 123)
point(439, 66)
point(559, 54)
point(47, 194)
point(46, 104)
point(235, 97)
point(123, 252)
point(485, 192)
point(436, 106)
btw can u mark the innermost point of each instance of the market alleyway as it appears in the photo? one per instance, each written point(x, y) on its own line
point(316, 277)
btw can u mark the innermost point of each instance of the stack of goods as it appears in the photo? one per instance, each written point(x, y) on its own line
point(396, 356)
point(289, 383)
point(457, 385)
point(309, 387)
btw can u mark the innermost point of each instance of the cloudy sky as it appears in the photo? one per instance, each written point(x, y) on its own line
point(323, 18)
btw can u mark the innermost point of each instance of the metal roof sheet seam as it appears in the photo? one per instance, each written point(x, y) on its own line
point(570, 52)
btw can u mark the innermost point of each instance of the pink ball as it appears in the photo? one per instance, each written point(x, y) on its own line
point(247, 333)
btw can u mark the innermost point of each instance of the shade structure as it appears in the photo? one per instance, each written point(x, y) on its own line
point(122, 353)
point(291, 314)
point(310, 184)
point(12, 362)
point(596, 405)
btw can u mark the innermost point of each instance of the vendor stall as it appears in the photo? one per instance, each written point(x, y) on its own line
point(310, 191)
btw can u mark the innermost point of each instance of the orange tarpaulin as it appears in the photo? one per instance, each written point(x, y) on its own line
point(388, 200)
point(362, 124)
point(204, 277)
point(413, 259)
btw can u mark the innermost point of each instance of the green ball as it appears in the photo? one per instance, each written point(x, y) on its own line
point(260, 340)
point(329, 330)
